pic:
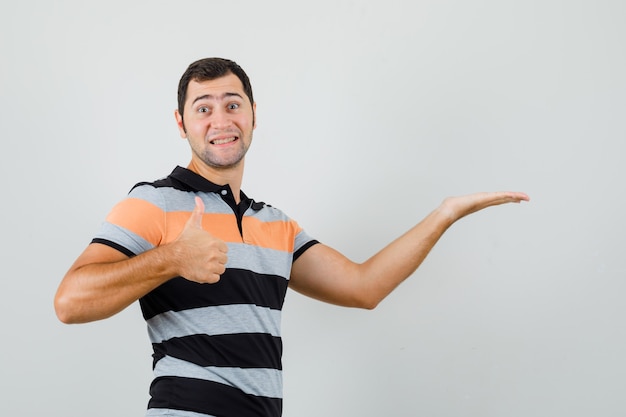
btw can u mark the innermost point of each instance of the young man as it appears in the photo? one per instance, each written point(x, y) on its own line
point(210, 266)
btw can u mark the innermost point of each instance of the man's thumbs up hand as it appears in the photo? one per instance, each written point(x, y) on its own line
point(199, 256)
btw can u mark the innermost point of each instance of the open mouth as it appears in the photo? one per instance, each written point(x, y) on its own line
point(223, 141)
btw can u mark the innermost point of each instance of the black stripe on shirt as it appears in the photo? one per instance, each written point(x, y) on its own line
point(113, 245)
point(210, 398)
point(242, 350)
point(236, 286)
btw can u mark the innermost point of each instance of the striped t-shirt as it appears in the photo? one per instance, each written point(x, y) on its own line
point(217, 347)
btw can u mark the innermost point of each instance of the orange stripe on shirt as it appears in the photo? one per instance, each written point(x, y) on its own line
point(222, 226)
point(157, 227)
point(140, 217)
point(277, 235)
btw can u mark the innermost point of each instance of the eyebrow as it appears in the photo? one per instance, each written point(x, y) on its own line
point(212, 97)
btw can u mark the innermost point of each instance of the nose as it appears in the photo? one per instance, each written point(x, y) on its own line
point(220, 119)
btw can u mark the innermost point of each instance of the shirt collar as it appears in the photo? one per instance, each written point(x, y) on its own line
point(199, 183)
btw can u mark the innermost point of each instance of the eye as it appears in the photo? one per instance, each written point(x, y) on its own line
point(233, 106)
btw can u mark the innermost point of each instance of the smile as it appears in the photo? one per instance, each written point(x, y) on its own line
point(223, 141)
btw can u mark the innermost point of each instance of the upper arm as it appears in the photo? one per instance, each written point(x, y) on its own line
point(79, 297)
point(325, 274)
point(97, 253)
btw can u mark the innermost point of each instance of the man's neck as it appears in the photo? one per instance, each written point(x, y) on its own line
point(221, 176)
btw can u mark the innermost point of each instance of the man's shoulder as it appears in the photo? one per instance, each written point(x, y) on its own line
point(169, 181)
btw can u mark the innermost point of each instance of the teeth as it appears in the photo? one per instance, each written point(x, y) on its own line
point(223, 141)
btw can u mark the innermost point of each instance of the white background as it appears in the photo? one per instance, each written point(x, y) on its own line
point(369, 114)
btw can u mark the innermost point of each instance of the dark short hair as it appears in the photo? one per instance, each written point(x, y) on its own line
point(209, 69)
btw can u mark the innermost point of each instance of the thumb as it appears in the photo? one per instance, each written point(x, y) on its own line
point(195, 220)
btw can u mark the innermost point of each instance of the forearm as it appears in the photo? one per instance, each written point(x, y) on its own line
point(103, 281)
point(382, 273)
point(96, 290)
point(325, 274)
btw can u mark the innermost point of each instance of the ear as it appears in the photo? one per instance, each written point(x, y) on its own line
point(180, 124)
point(254, 115)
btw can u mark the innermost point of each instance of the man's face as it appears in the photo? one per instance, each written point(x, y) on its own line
point(218, 121)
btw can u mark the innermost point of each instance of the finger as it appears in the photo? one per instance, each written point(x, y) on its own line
point(195, 220)
point(516, 196)
point(223, 247)
point(213, 279)
point(522, 196)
